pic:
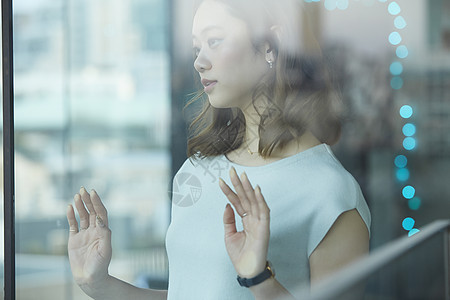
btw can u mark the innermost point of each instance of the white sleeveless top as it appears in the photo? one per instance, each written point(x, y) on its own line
point(305, 192)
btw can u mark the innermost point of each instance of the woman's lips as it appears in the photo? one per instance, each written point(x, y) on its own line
point(208, 84)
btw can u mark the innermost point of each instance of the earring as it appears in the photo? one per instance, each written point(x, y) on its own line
point(270, 64)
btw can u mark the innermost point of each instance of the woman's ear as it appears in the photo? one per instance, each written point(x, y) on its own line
point(276, 32)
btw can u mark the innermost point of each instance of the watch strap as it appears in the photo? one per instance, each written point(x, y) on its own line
point(248, 282)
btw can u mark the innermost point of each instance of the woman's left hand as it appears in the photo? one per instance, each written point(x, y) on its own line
point(248, 248)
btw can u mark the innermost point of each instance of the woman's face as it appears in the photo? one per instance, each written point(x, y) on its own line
point(227, 62)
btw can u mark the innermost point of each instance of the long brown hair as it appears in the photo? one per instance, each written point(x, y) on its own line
point(298, 90)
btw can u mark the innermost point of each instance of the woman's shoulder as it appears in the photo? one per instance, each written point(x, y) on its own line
point(205, 165)
point(325, 172)
point(192, 162)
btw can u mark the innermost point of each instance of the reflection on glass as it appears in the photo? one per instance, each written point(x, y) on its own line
point(409, 129)
point(394, 8)
point(395, 38)
point(92, 109)
point(403, 174)
point(406, 111)
point(414, 203)
point(401, 161)
point(400, 22)
point(396, 68)
point(402, 51)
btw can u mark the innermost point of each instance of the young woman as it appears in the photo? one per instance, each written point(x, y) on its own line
point(270, 117)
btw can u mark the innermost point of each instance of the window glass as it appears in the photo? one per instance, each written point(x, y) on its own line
point(92, 110)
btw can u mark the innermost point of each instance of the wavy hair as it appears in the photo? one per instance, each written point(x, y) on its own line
point(298, 91)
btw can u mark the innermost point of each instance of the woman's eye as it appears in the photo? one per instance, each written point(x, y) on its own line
point(214, 42)
point(211, 43)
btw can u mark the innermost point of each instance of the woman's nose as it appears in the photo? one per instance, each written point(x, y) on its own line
point(202, 63)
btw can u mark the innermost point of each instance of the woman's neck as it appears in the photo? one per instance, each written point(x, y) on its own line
point(250, 143)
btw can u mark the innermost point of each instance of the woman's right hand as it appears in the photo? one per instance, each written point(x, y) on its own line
point(89, 245)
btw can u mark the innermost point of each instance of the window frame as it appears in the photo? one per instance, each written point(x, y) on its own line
point(8, 151)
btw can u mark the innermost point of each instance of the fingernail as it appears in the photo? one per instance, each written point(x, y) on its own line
point(221, 182)
point(244, 175)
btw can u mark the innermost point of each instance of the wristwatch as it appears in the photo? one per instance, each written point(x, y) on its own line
point(267, 273)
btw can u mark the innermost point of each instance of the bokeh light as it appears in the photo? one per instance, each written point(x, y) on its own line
point(402, 51)
point(408, 223)
point(399, 22)
point(413, 231)
point(409, 129)
point(396, 83)
point(396, 68)
point(409, 143)
point(402, 174)
point(342, 4)
point(401, 161)
point(414, 203)
point(406, 111)
point(408, 192)
point(394, 8)
point(395, 38)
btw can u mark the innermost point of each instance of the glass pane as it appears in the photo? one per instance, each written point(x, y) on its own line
point(92, 109)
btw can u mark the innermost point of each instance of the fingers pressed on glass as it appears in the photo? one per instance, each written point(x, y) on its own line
point(250, 192)
point(236, 181)
point(82, 212)
point(232, 197)
point(100, 209)
point(87, 201)
point(73, 224)
point(264, 210)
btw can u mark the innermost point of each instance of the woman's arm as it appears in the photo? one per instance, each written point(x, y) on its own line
point(113, 288)
point(270, 289)
point(347, 240)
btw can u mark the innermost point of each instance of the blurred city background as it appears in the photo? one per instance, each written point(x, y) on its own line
point(99, 87)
